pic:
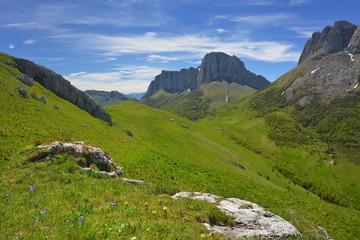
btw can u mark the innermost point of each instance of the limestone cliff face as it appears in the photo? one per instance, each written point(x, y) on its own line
point(220, 66)
point(214, 67)
point(174, 81)
point(342, 36)
point(332, 62)
point(62, 88)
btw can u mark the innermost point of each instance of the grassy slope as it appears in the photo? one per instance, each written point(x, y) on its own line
point(199, 102)
point(162, 152)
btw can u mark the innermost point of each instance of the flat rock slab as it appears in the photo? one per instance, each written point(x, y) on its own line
point(251, 220)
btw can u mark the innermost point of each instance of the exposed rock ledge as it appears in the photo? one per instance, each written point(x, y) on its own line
point(251, 220)
point(95, 159)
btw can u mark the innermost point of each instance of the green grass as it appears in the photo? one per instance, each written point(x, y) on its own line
point(171, 153)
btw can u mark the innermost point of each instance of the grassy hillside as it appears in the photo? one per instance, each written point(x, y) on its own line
point(200, 102)
point(169, 152)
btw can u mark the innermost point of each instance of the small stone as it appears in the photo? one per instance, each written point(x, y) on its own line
point(23, 92)
point(42, 99)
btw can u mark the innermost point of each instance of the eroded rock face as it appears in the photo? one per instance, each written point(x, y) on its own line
point(62, 88)
point(354, 45)
point(219, 67)
point(215, 66)
point(173, 81)
point(251, 220)
point(93, 155)
point(331, 40)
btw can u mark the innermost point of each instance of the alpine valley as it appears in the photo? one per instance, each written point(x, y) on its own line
point(282, 156)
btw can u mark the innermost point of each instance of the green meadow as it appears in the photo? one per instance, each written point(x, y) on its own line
point(229, 154)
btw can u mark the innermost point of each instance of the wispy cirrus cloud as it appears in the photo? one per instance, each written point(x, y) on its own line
point(126, 79)
point(298, 2)
point(163, 59)
point(29, 41)
point(257, 19)
point(303, 32)
point(192, 46)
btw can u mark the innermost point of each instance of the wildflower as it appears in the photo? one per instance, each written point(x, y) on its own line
point(202, 235)
point(44, 194)
point(126, 203)
point(112, 204)
point(36, 203)
point(44, 211)
point(165, 209)
point(32, 188)
point(154, 212)
point(146, 205)
point(133, 238)
point(82, 219)
point(7, 195)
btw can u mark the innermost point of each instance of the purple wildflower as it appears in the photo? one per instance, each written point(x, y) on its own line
point(44, 211)
point(36, 203)
point(32, 188)
point(82, 219)
point(112, 204)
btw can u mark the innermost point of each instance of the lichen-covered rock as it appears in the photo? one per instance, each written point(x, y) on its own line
point(93, 155)
point(62, 88)
point(26, 80)
point(251, 220)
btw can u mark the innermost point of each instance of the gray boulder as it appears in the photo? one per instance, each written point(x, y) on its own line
point(26, 80)
point(354, 45)
point(23, 92)
point(62, 88)
point(42, 99)
point(251, 220)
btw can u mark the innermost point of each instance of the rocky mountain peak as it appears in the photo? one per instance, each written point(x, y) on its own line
point(215, 66)
point(342, 36)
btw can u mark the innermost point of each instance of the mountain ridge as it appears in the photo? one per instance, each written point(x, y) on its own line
point(215, 66)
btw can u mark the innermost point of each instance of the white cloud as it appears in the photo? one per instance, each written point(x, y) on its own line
point(220, 30)
point(304, 32)
point(11, 46)
point(257, 19)
point(163, 59)
point(29, 41)
point(125, 79)
point(297, 2)
point(188, 45)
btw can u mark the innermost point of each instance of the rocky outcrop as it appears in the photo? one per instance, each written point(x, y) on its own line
point(95, 158)
point(215, 66)
point(333, 39)
point(26, 80)
point(354, 45)
point(250, 220)
point(104, 98)
point(62, 88)
point(174, 81)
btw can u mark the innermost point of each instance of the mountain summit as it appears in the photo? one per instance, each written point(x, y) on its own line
point(215, 66)
point(342, 36)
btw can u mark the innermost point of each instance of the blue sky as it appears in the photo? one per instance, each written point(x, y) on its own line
point(123, 44)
